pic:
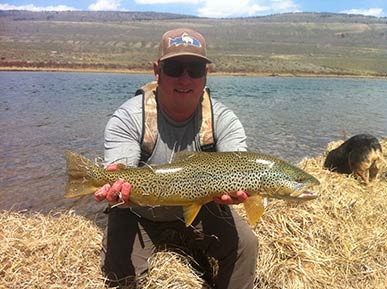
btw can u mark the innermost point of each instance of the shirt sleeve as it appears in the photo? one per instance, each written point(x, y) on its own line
point(123, 135)
point(229, 132)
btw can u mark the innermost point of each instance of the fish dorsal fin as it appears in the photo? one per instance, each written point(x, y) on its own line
point(183, 155)
point(190, 212)
point(254, 209)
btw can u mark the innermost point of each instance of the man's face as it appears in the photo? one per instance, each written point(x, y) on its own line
point(181, 81)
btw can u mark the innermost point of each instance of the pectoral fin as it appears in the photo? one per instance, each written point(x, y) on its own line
point(190, 212)
point(254, 209)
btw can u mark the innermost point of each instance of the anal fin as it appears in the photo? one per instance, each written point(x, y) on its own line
point(254, 209)
point(190, 212)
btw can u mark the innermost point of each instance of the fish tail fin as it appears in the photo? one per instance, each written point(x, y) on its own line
point(254, 209)
point(79, 181)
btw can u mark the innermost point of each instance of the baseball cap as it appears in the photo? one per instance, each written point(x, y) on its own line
point(182, 41)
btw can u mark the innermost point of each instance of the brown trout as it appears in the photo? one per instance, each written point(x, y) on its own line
point(195, 178)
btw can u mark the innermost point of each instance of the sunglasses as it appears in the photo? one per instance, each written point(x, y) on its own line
point(173, 68)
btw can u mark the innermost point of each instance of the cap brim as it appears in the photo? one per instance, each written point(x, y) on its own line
point(172, 55)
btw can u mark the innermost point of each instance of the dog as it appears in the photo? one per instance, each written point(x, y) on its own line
point(358, 155)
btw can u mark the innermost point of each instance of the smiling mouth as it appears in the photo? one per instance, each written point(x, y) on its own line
point(183, 90)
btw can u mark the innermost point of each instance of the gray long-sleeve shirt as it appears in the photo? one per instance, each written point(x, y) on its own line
point(123, 142)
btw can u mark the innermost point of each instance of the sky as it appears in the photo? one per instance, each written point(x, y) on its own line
point(207, 8)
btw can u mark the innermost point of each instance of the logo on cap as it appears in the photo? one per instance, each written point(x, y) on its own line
point(184, 39)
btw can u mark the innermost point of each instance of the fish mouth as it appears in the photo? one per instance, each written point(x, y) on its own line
point(306, 195)
point(303, 194)
point(298, 195)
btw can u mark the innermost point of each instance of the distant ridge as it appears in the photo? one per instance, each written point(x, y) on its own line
point(89, 16)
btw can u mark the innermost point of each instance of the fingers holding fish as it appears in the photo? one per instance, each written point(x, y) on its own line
point(112, 167)
point(118, 192)
point(227, 199)
point(101, 194)
point(113, 194)
point(125, 191)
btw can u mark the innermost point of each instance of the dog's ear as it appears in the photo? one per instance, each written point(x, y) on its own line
point(373, 171)
point(377, 161)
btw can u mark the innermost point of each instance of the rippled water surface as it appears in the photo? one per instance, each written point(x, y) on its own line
point(43, 113)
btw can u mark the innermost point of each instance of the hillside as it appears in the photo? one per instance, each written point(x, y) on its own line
point(295, 43)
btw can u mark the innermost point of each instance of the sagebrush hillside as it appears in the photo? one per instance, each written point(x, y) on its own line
point(295, 43)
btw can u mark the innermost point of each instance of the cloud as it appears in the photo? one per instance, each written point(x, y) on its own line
point(221, 8)
point(106, 5)
point(145, 2)
point(240, 8)
point(280, 6)
point(32, 7)
point(232, 8)
point(377, 12)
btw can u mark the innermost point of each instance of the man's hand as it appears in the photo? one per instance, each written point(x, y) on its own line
point(118, 192)
point(226, 199)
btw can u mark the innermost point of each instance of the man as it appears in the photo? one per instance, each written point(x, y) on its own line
point(166, 117)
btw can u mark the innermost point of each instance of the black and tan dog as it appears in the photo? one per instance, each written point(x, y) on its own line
point(358, 155)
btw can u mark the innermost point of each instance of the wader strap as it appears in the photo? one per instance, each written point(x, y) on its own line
point(149, 120)
point(206, 134)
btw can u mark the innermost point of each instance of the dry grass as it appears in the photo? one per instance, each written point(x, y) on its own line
point(54, 251)
point(171, 270)
point(336, 241)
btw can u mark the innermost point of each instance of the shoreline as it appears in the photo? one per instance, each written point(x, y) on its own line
point(144, 71)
